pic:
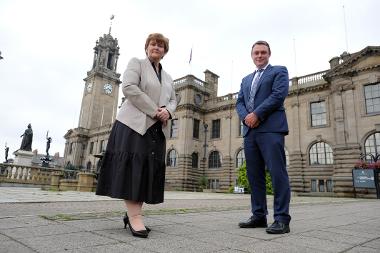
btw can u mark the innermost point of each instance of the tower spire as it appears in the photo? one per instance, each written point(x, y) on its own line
point(111, 18)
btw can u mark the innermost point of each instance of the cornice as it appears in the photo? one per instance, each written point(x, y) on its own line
point(346, 67)
point(298, 91)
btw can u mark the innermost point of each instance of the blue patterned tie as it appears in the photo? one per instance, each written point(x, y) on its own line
point(252, 94)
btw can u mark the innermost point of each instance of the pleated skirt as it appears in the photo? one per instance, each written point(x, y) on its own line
point(133, 167)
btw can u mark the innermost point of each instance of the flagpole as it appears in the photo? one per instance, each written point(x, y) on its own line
point(190, 59)
point(345, 28)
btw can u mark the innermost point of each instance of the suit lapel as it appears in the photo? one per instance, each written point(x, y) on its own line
point(151, 72)
point(248, 85)
point(263, 76)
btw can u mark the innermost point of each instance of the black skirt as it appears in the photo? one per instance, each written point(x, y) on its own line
point(133, 167)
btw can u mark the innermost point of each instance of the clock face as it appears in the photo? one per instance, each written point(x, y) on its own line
point(107, 88)
point(89, 87)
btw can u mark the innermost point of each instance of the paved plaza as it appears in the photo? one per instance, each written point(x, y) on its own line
point(33, 220)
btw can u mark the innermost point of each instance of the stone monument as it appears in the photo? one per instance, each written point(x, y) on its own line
point(46, 159)
point(24, 155)
point(6, 153)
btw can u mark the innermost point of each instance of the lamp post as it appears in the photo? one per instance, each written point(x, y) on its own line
point(205, 143)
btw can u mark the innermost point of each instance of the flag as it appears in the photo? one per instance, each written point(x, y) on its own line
point(191, 55)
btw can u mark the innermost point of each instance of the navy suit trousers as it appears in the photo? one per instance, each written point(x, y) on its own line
point(266, 150)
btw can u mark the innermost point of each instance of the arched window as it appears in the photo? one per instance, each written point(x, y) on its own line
point(372, 146)
point(194, 160)
point(240, 158)
point(320, 153)
point(171, 158)
point(214, 160)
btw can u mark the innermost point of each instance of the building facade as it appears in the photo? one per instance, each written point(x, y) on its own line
point(333, 116)
point(98, 108)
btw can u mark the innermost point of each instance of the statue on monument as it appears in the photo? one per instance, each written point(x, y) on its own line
point(27, 139)
point(6, 153)
point(48, 141)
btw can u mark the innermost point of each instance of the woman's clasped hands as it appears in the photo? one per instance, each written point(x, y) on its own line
point(162, 115)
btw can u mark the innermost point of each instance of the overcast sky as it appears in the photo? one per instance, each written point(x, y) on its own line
point(48, 48)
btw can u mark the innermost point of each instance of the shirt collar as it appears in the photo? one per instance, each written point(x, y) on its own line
point(256, 69)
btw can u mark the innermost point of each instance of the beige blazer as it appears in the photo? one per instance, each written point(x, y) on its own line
point(145, 95)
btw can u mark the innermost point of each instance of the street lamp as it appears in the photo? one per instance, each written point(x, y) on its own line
point(205, 143)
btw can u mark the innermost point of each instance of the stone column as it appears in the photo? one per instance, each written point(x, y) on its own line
point(344, 161)
point(296, 158)
point(228, 174)
point(296, 172)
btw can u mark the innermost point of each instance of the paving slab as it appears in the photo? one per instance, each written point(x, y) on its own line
point(32, 220)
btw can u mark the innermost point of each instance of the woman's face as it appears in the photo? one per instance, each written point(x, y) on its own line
point(155, 50)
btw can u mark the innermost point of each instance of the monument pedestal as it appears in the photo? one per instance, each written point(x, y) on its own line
point(23, 157)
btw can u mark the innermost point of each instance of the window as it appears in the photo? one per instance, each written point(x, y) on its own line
point(91, 147)
point(241, 127)
point(171, 159)
point(214, 160)
point(213, 184)
point(320, 153)
point(318, 113)
point(372, 98)
point(321, 185)
point(101, 148)
point(329, 185)
point(194, 160)
point(313, 185)
point(196, 128)
point(372, 146)
point(215, 131)
point(71, 148)
point(174, 128)
point(240, 158)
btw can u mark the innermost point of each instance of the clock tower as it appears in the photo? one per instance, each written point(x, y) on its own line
point(98, 108)
point(101, 88)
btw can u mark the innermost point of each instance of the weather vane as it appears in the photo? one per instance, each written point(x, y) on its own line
point(111, 18)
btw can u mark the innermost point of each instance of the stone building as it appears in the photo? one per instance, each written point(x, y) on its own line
point(98, 109)
point(333, 116)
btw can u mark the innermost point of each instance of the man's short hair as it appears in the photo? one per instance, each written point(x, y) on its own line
point(261, 42)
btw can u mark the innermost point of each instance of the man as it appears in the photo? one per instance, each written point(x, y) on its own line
point(260, 105)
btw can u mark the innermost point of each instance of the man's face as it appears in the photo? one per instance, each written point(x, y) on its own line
point(260, 55)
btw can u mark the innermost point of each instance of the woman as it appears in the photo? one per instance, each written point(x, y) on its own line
point(133, 167)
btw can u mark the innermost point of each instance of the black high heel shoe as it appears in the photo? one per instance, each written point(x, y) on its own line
point(141, 233)
point(126, 220)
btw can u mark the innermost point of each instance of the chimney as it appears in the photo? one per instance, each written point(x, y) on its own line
point(334, 62)
point(212, 82)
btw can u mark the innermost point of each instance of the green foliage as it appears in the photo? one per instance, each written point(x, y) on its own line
point(242, 179)
point(268, 182)
point(69, 166)
point(202, 182)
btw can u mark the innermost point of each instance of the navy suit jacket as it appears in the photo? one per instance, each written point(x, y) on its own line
point(271, 92)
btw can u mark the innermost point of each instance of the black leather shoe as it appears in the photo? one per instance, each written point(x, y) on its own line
point(254, 222)
point(278, 228)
